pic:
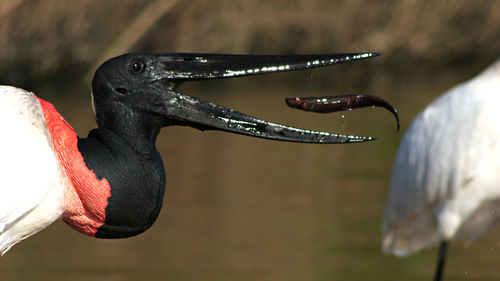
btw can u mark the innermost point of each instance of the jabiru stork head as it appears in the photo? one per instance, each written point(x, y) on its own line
point(134, 97)
point(111, 183)
point(139, 90)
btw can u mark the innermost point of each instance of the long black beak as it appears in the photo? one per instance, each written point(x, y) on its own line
point(157, 76)
point(175, 68)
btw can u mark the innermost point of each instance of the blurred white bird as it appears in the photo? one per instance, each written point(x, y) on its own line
point(446, 179)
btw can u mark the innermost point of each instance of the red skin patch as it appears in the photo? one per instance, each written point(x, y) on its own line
point(86, 196)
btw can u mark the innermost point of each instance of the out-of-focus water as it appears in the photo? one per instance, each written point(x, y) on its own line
point(240, 208)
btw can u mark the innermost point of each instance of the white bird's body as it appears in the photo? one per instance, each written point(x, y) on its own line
point(446, 177)
point(32, 188)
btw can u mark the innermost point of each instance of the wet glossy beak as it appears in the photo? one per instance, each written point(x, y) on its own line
point(168, 70)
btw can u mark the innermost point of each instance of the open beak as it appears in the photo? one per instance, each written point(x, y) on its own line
point(168, 70)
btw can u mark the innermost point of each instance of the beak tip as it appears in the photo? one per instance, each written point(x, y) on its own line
point(371, 54)
point(356, 139)
point(365, 139)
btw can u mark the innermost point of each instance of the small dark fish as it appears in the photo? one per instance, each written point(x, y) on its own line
point(330, 104)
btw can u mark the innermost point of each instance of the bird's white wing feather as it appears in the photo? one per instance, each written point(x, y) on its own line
point(30, 173)
point(445, 165)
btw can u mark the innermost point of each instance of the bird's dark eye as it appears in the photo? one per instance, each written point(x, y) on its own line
point(137, 66)
point(122, 91)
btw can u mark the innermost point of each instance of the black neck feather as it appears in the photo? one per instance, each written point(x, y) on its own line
point(135, 172)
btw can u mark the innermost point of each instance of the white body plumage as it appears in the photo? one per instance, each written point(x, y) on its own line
point(446, 177)
point(32, 188)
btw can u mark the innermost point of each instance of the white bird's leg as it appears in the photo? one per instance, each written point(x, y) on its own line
point(443, 247)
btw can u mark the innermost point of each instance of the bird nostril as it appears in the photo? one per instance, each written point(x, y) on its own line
point(122, 91)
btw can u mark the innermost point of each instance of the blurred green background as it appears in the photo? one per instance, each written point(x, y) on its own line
point(240, 208)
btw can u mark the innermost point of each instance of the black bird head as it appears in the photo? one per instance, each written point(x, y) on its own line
point(134, 97)
point(135, 93)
